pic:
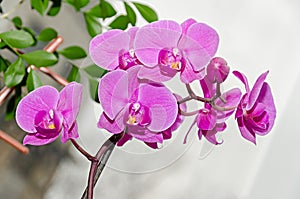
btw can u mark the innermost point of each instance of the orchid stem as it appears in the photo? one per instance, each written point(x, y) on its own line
point(97, 167)
point(188, 113)
point(13, 142)
point(83, 152)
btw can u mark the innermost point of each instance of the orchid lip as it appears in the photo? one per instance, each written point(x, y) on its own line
point(171, 58)
point(128, 59)
point(138, 115)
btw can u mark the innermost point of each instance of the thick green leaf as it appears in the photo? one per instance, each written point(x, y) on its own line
point(17, 22)
point(2, 44)
point(14, 73)
point(4, 63)
point(92, 24)
point(121, 22)
point(95, 11)
point(47, 34)
point(74, 74)
point(33, 81)
point(130, 14)
point(73, 52)
point(13, 103)
point(78, 4)
point(40, 58)
point(93, 83)
point(147, 13)
point(17, 38)
point(55, 8)
point(40, 5)
point(107, 10)
point(95, 71)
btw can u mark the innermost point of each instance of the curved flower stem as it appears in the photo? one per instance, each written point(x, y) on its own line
point(194, 96)
point(188, 113)
point(82, 151)
point(219, 108)
point(97, 167)
point(13, 142)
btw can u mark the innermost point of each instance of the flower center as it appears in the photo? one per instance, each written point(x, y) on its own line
point(48, 122)
point(128, 59)
point(171, 58)
point(138, 115)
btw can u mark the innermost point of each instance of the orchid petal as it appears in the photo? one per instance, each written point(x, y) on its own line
point(256, 89)
point(206, 119)
point(188, 74)
point(154, 37)
point(32, 139)
point(70, 133)
point(113, 92)
point(105, 48)
point(186, 24)
point(162, 105)
point(111, 125)
point(126, 137)
point(246, 133)
point(243, 79)
point(69, 103)
point(154, 74)
point(43, 98)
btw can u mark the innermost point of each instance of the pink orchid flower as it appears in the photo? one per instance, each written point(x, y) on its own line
point(165, 48)
point(143, 110)
point(45, 112)
point(256, 111)
point(114, 49)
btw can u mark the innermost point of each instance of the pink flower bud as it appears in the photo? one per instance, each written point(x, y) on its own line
point(217, 70)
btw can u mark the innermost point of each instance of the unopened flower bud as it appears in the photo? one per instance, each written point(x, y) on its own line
point(217, 70)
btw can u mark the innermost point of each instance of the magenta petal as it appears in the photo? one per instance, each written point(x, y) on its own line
point(112, 126)
point(32, 139)
point(126, 137)
point(43, 98)
point(245, 131)
point(113, 92)
point(266, 98)
point(256, 89)
point(132, 33)
point(209, 89)
point(162, 105)
point(133, 83)
point(154, 74)
point(69, 103)
point(70, 133)
point(148, 136)
point(205, 36)
point(153, 37)
point(105, 48)
point(243, 79)
point(206, 119)
point(186, 24)
point(188, 74)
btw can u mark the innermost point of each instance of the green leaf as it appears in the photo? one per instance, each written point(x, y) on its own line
point(40, 58)
point(93, 84)
point(147, 13)
point(121, 22)
point(78, 4)
point(130, 14)
point(95, 71)
point(92, 24)
point(73, 52)
point(40, 5)
point(17, 38)
point(14, 73)
point(95, 11)
point(4, 63)
point(55, 8)
point(17, 22)
point(13, 103)
point(74, 74)
point(33, 81)
point(107, 10)
point(2, 44)
point(47, 34)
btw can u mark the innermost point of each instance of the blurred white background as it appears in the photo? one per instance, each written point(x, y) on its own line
point(255, 36)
